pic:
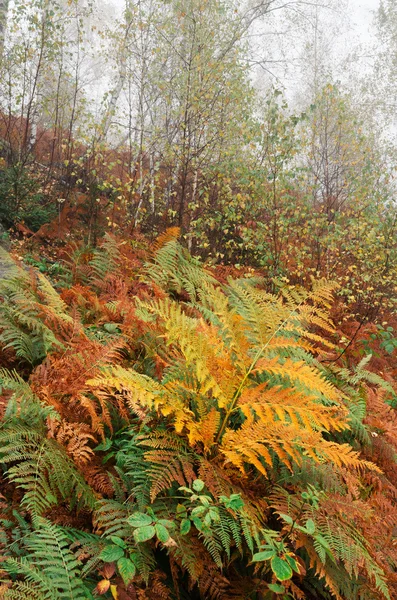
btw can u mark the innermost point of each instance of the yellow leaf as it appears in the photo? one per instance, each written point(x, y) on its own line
point(113, 589)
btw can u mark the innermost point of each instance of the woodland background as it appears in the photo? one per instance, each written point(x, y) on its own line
point(198, 306)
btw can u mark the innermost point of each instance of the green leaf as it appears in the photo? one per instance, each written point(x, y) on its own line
point(118, 541)
point(185, 526)
point(198, 523)
point(126, 569)
point(207, 519)
point(143, 534)
point(111, 327)
point(292, 563)
point(265, 555)
point(139, 520)
point(181, 511)
point(287, 518)
point(166, 523)
point(310, 526)
point(281, 568)
point(162, 533)
point(185, 489)
point(111, 553)
point(198, 511)
point(235, 501)
point(276, 588)
point(205, 500)
point(198, 485)
point(214, 514)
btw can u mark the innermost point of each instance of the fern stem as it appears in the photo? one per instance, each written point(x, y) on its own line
point(36, 475)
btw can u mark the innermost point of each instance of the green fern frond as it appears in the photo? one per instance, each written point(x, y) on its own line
point(26, 299)
point(111, 518)
point(50, 569)
point(40, 467)
point(104, 259)
point(175, 271)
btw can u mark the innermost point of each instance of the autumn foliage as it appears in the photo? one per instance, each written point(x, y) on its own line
point(197, 315)
point(167, 436)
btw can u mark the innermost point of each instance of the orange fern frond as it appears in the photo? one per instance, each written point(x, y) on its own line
point(172, 233)
point(204, 431)
point(75, 438)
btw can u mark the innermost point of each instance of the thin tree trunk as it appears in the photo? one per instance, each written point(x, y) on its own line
point(107, 117)
point(3, 23)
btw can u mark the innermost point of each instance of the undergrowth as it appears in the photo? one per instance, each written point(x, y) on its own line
point(166, 436)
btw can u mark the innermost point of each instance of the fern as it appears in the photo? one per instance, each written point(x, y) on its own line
point(40, 466)
point(176, 271)
point(31, 315)
point(222, 429)
point(50, 570)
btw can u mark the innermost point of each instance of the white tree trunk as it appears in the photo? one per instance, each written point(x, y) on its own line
point(3, 23)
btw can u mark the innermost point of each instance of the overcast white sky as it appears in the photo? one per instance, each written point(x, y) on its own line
point(362, 13)
point(357, 29)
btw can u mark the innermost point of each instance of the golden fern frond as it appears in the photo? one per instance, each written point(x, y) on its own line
point(173, 269)
point(260, 443)
point(292, 407)
point(314, 337)
point(343, 455)
point(178, 325)
point(201, 348)
point(222, 364)
point(284, 343)
point(256, 444)
point(293, 296)
point(263, 314)
point(313, 316)
point(300, 374)
point(141, 388)
point(230, 326)
point(143, 391)
point(323, 292)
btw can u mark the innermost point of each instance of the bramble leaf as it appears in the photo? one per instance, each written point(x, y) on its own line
point(140, 520)
point(111, 553)
point(281, 568)
point(143, 534)
point(126, 569)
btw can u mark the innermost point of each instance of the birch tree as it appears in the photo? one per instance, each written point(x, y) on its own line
point(3, 22)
